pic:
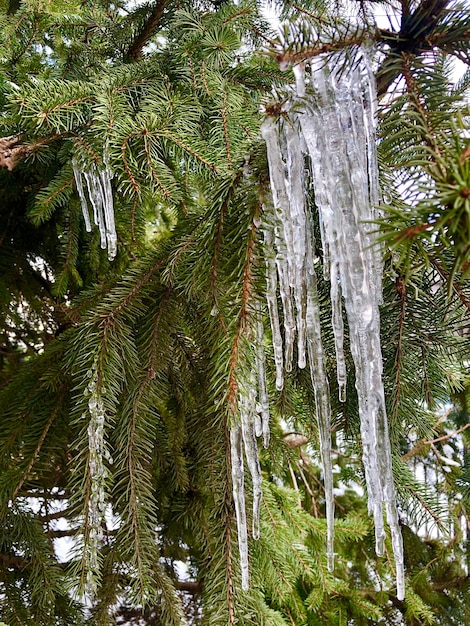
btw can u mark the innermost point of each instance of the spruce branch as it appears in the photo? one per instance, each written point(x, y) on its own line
point(134, 183)
point(464, 299)
point(243, 315)
point(135, 49)
point(401, 290)
point(39, 445)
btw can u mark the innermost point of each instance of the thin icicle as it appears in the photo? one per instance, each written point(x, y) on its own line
point(294, 242)
point(98, 474)
point(283, 237)
point(297, 245)
point(271, 298)
point(263, 399)
point(247, 406)
point(81, 194)
point(238, 488)
point(338, 331)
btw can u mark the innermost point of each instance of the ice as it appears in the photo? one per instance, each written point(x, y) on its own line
point(81, 194)
point(338, 125)
point(263, 404)
point(283, 235)
point(331, 117)
point(322, 403)
point(293, 239)
point(100, 194)
point(238, 488)
point(271, 298)
point(98, 476)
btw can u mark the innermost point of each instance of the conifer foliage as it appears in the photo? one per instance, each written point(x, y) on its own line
point(134, 261)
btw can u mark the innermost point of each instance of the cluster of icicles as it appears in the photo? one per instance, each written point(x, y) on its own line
point(98, 183)
point(329, 122)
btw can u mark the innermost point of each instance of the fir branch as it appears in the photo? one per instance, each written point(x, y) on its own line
point(428, 134)
point(134, 183)
point(455, 285)
point(401, 290)
point(218, 238)
point(242, 320)
point(165, 191)
point(39, 445)
point(135, 49)
point(319, 48)
point(189, 150)
point(225, 127)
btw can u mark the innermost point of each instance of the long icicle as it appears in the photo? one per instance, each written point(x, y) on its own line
point(296, 259)
point(339, 129)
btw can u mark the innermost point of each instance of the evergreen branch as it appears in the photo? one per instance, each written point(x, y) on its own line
point(218, 239)
point(57, 192)
point(234, 16)
point(17, 57)
point(401, 290)
point(164, 190)
point(455, 285)
point(422, 443)
point(204, 79)
point(309, 52)
point(135, 49)
point(134, 183)
point(38, 448)
point(225, 127)
point(45, 210)
point(133, 215)
point(60, 285)
point(242, 319)
point(428, 135)
point(86, 146)
point(189, 150)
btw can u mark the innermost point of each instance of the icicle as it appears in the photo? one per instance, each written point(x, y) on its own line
point(263, 404)
point(247, 406)
point(294, 242)
point(283, 237)
point(253, 409)
point(239, 500)
point(297, 245)
point(271, 298)
point(338, 331)
point(322, 403)
point(81, 194)
point(339, 132)
point(98, 472)
point(336, 113)
point(98, 182)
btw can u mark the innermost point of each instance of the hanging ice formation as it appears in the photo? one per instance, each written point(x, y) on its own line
point(253, 409)
point(330, 119)
point(98, 184)
point(98, 475)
